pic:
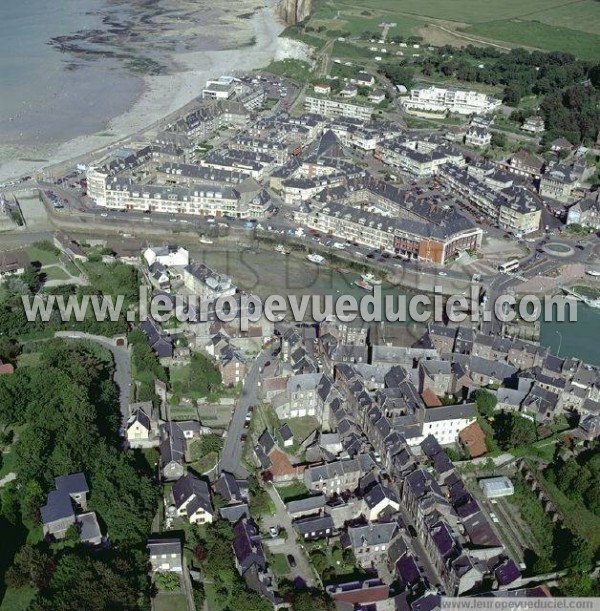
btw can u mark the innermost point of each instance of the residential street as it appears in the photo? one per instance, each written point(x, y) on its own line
point(231, 455)
point(282, 519)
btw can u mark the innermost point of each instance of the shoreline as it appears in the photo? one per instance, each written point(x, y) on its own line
point(162, 95)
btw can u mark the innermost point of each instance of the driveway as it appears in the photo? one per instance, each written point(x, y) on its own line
point(281, 519)
point(231, 456)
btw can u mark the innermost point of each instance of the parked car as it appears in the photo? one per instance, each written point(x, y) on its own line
point(273, 531)
point(291, 560)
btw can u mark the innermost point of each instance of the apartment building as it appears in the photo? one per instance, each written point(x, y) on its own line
point(417, 239)
point(331, 107)
point(514, 208)
point(441, 100)
point(417, 158)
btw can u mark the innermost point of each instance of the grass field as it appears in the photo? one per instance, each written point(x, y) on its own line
point(280, 565)
point(55, 273)
point(17, 600)
point(292, 491)
point(466, 11)
point(294, 69)
point(557, 25)
point(40, 255)
point(540, 35)
point(166, 601)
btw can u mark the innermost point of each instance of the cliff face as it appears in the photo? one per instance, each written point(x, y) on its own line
point(293, 11)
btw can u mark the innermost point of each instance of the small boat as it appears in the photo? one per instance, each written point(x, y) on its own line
point(205, 241)
point(282, 250)
point(314, 258)
point(365, 286)
point(592, 272)
point(370, 279)
point(343, 270)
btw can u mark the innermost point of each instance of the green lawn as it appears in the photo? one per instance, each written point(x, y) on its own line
point(583, 16)
point(17, 600)
point(167, 601)
point(279, 564)
point(292, 491)
point(540, 35)
point(44, 257)
point(29, 359)
point(302, 427)
point(183, 412)
point(466, 11)
point(553, 25)
point(351, 51)
point(205, 463)
point(8, 463)
point(72, 268)
point(294, 69)
point(55, 273)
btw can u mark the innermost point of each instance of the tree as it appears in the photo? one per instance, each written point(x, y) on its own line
point(211, 443)
point(31, 278)
point(31, 565)
point(485, 402)
point(348, 556)
point(499, 140)
point(398, 74)
point(512, 430)
point(319, 560)
point(9, 350)
point(512, 95)
point(580, 555)
point(167, 582)
point(312, 600)
point(592, 496)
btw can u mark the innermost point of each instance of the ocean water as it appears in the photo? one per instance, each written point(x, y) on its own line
point(49, 97)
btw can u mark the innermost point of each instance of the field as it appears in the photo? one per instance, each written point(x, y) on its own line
point(166, 601)
point(292, 491)
point(540, 35)
point(557, 25)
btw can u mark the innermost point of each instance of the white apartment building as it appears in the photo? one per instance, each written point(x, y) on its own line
point(202, 200)
point(221, 89)
point(440, 100)
point(337, 108)
point(445, 423)
point(168, 256)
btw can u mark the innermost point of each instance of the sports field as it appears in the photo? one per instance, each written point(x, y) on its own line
point(551, 25)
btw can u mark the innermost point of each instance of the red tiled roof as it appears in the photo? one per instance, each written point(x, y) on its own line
point(430, 398)
point(6, 369)
point(472, 438)
point(363, 595)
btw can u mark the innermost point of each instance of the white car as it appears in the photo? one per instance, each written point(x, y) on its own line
point(273, 531)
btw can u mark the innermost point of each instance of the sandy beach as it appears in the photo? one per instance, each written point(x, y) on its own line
point(164, 94)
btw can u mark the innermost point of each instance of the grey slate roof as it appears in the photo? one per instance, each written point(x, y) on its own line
point(71, 484)
point(57, 507)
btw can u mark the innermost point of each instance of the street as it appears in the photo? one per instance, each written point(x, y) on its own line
point(231, 455)
point(282, 519)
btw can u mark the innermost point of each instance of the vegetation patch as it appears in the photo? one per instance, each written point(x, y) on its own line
point(540, 35)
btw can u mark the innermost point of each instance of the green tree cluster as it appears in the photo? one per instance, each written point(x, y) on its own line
point(578, 478)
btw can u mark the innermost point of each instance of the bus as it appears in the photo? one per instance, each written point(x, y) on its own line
point(509, 266)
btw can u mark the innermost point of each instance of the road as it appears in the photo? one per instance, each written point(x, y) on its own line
point(282, 519)
point(231, 455)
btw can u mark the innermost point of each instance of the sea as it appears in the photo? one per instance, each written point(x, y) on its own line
point(265, 273)
point(49, 97)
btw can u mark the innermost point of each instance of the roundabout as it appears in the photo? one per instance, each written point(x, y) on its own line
point(558, 249)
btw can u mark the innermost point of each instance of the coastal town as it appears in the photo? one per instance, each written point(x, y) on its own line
point(201, 464)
